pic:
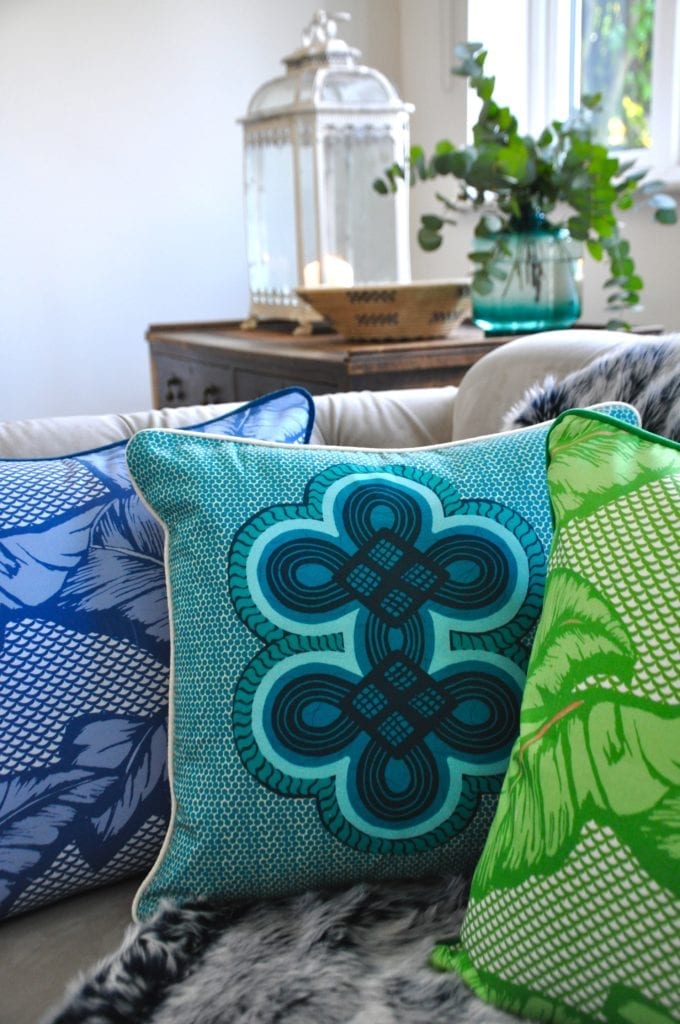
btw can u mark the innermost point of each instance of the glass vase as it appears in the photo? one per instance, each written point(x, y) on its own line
point(536, 277)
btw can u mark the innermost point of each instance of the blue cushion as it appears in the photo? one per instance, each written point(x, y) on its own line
point(351, 632)
point(84, 655)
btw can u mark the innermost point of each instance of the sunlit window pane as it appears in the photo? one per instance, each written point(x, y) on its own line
point(616, 61)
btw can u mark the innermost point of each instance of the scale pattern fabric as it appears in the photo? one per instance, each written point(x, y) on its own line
point(84, 656)
point(575, 906)
point(351, 631)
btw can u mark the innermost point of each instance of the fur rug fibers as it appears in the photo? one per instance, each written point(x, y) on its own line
point(358, 956)
point(645, 374)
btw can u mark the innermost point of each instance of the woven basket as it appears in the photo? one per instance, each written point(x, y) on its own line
point(392, 312)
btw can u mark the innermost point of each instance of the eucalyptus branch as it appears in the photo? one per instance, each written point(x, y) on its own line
point(527, 177)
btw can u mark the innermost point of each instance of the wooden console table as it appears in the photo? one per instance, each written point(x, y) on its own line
point(218, 362)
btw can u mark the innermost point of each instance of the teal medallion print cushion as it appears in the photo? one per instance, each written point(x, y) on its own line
point(84, 655)
point(351, 630)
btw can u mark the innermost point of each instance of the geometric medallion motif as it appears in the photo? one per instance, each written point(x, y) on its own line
point(391, 613)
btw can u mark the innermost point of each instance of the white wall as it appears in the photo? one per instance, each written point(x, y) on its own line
point(121, 179)
point(120, 176)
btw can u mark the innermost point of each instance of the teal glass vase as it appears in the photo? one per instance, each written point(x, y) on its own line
point(536, 276)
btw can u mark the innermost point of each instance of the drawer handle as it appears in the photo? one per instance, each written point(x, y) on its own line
point(211, 395)
point(174, 390)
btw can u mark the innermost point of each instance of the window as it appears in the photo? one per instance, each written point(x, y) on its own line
point(546, 53)
point(613, 42)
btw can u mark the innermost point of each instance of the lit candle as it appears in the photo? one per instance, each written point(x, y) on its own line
point(337, 272)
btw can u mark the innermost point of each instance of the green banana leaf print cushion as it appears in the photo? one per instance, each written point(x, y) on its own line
point(574, 913)
point(84, 659)
point(351, 630)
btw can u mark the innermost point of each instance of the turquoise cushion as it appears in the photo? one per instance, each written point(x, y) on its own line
point(84, 655)
point(351, 633)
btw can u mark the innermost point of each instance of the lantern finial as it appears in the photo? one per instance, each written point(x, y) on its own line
point(323, 27)
point(320, 42)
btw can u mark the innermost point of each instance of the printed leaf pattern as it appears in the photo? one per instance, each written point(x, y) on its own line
point(655, 836)
point(582, 753)
point(37, 811)
point(34, 565)
point(109, 466)
point(87, 561)
point(111, 778)
point(530, 826)
point(285, 420)
point(592, 462)
point(576, 619)
point(122, 576)
point(135, 751)
point(574, 904)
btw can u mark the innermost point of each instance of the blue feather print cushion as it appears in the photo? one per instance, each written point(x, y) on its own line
point(351, 630)
point(84, 656)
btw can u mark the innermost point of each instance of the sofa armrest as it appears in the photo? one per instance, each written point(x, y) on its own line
point(500, 379)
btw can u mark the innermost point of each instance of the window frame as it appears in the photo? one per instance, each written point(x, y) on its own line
point(536, 30)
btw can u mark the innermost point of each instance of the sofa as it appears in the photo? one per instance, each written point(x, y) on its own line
point(42, 949)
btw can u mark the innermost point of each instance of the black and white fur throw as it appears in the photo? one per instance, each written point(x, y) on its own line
point(646, 374)
point(358, 956)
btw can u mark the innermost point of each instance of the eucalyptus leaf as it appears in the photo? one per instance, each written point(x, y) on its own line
point(432, 223)
point(595, 248)
point(429, 240)
point(482, 284)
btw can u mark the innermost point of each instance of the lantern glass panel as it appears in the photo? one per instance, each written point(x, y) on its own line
point(355, 215)
point(349, 90)
point(309, 228)
point(275, 95)
point(270, 205)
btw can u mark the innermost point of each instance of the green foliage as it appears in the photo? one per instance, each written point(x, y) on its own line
point(616, 61)
point(528, 178)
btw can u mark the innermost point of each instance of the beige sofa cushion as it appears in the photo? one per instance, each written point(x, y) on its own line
point(385, 419)
point(43, 950)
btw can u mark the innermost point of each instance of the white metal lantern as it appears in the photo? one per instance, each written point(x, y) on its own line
point(314, 141)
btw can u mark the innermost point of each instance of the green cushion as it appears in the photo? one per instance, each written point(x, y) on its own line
point(351, 630)
point(574, 913)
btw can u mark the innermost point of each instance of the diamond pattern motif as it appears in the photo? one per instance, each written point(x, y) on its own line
point(595, 899)
point(643, 524)
point(391, 578)
point(33, 492)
